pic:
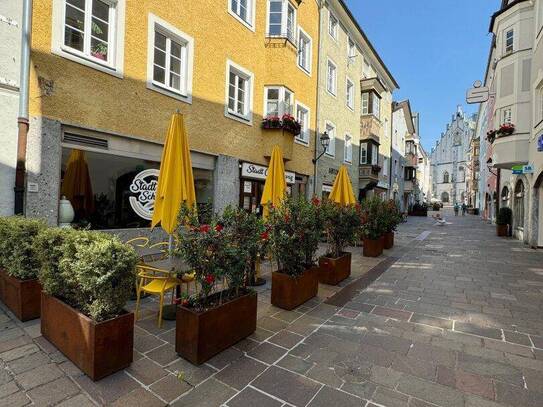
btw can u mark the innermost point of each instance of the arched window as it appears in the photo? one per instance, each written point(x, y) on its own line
point(445, 197)
point(445, 177)
point(519, 204)
point(506, 197)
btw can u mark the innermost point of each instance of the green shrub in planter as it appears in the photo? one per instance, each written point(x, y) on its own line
point(91, 271)
point(504, 217)
point(372, 213)
point(392, 215)
point(18, 255)
point(341, 225)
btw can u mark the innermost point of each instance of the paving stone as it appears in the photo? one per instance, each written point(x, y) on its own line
point(390, 398)
point(190, 373)
point(70, 369)
point(508, 348)
point(431, 392)
point(364, 390)
point(19, 352)
point(517, 396)
point(210, 393)
point(224, 358)
point(295, 364)
point(466, 382)
point(138, 398)
point(326, 375)
point(433, 354)
point(392, 313)
point(475, 401)
point(145, 342)
point(109, 389)
point(32, 361)
point(288, 386)
point(415, 367)
point(305, 325)
point(146, 371)
point(389, 343)
point(39, 375)
point(271, 324)
point(537, 341)
point(18, 399)
point(432, 321)
point(9, 344)
point(385, 376)
point(267, 353)
point(287, 316)
point(518, 338)
point(286, 339)
point(533, 379)
point(328, 396)
point(240, 372)
point(53, 392)
point(8, 388)
point(163, 355)
point(260, 335)
point(168, 336)
point(347, 313)
point(77, 401)
point(45, 345)
point(359, 306)
point(322, 312)
point(478, 330)
point(252, 397)
point(170, 387)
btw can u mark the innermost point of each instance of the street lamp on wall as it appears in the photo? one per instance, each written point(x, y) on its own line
point(325, 143)
point(490, 167)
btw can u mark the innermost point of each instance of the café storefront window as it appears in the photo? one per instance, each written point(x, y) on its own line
point(115, 192)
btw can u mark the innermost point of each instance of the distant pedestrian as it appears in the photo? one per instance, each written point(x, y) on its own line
point(464, 209)
point(456, 209)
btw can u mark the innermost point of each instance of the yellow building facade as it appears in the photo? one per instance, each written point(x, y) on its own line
point(108, 74)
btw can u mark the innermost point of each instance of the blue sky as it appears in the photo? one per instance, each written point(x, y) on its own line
point(435, 49)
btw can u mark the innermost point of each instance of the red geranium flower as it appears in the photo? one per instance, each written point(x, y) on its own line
point(218, 228)
point(315, 201)
point(265, 235)
point(209, 279)
point(205, 228)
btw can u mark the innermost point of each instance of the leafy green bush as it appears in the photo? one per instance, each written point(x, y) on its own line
point(295, 231)
point(436, 206)
point(17, 251)
point(91, 271)
point(221, 250)
point(341, 224)
point(372, 221)
point(504, 217)
point(392, 216)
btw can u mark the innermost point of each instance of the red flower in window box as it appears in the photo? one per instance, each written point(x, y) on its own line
point(506, 129)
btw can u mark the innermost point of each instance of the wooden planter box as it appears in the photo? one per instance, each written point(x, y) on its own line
point(333, 271)
point(502, 230)
point(373, 248)
point(289, 292)
point(388, 240)
point(98, 349)
point(200, 336)
point(22, 297)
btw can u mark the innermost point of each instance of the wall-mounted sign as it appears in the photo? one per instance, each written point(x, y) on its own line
point(247, 187)
point(517, 169)
point(144, 188)
point(477, 94)
point(382, 184)
point(260, 172)
point(540, 143)
point(326, 188)
point(528, 169)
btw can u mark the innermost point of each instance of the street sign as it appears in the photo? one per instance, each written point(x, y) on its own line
point(540, 143)
point(517, 169)
point(477, 94)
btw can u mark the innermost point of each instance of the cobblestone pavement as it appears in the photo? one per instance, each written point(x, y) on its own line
point(454, 320)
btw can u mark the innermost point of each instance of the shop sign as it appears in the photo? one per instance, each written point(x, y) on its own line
point(382, 184)
point(517, 169)
point(144, 189)
point(540, 143)
point(326, 188)
point(528, 169)
point(260, 172)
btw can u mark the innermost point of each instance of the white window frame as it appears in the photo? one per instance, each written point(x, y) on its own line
point(374, 154)
point(113, 67)
point(187, 69)
point(539, 106)
point(385, 166)
point(348, 149)
point(251, 14)
point(351, 51)
point(333, 30)
point(364, 157)
point(507, 115)
point(303, 137)
point(505, 37)
point(349, 95)
point(303, 33)
point(281, 108)
point(284, 21)
point(249, 76)
point(331, 150)
point(332, 92)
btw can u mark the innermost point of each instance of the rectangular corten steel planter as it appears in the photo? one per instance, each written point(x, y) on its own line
point(22, 297)
point(373, 248)
point(98, 349)
point(201, 335)
point(333, 271)
point(289, 292)
point(389, 240)
point(502, 230)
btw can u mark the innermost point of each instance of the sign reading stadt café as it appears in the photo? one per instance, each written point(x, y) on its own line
point(260, 172)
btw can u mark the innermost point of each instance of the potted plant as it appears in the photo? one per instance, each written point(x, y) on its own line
point(87, 279)
point(491, 135)
point(391, 218)
point(341, 224)
point(506, 129)
point(19, 266)
point(291, 125)
point(224, 311)
point(295, 231)
point(503, 220)
point(271, 122)
point(419, 209)
point(372, 226)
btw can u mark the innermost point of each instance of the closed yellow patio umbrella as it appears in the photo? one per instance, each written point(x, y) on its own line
point(342, 191)
point(275, 186)
point(175, 180)
point(76, 185)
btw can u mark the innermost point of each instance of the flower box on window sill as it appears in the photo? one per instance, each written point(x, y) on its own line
point(287, 123)
point(506, 129)
point(491, 135)
point(375, 169)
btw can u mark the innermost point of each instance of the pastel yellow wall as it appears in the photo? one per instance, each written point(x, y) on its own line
point(89, 98)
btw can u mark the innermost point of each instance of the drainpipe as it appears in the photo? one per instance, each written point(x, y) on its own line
point(317, 132)
point(22, 120)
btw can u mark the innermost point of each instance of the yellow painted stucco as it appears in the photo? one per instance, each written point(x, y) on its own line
point(80, 95)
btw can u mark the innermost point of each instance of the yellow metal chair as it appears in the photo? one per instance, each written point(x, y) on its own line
point(138, 241)
point(155, 282)
point(162, 247)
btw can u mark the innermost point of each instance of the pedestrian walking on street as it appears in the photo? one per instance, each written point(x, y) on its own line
point(456, 208)
point(464, 209)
